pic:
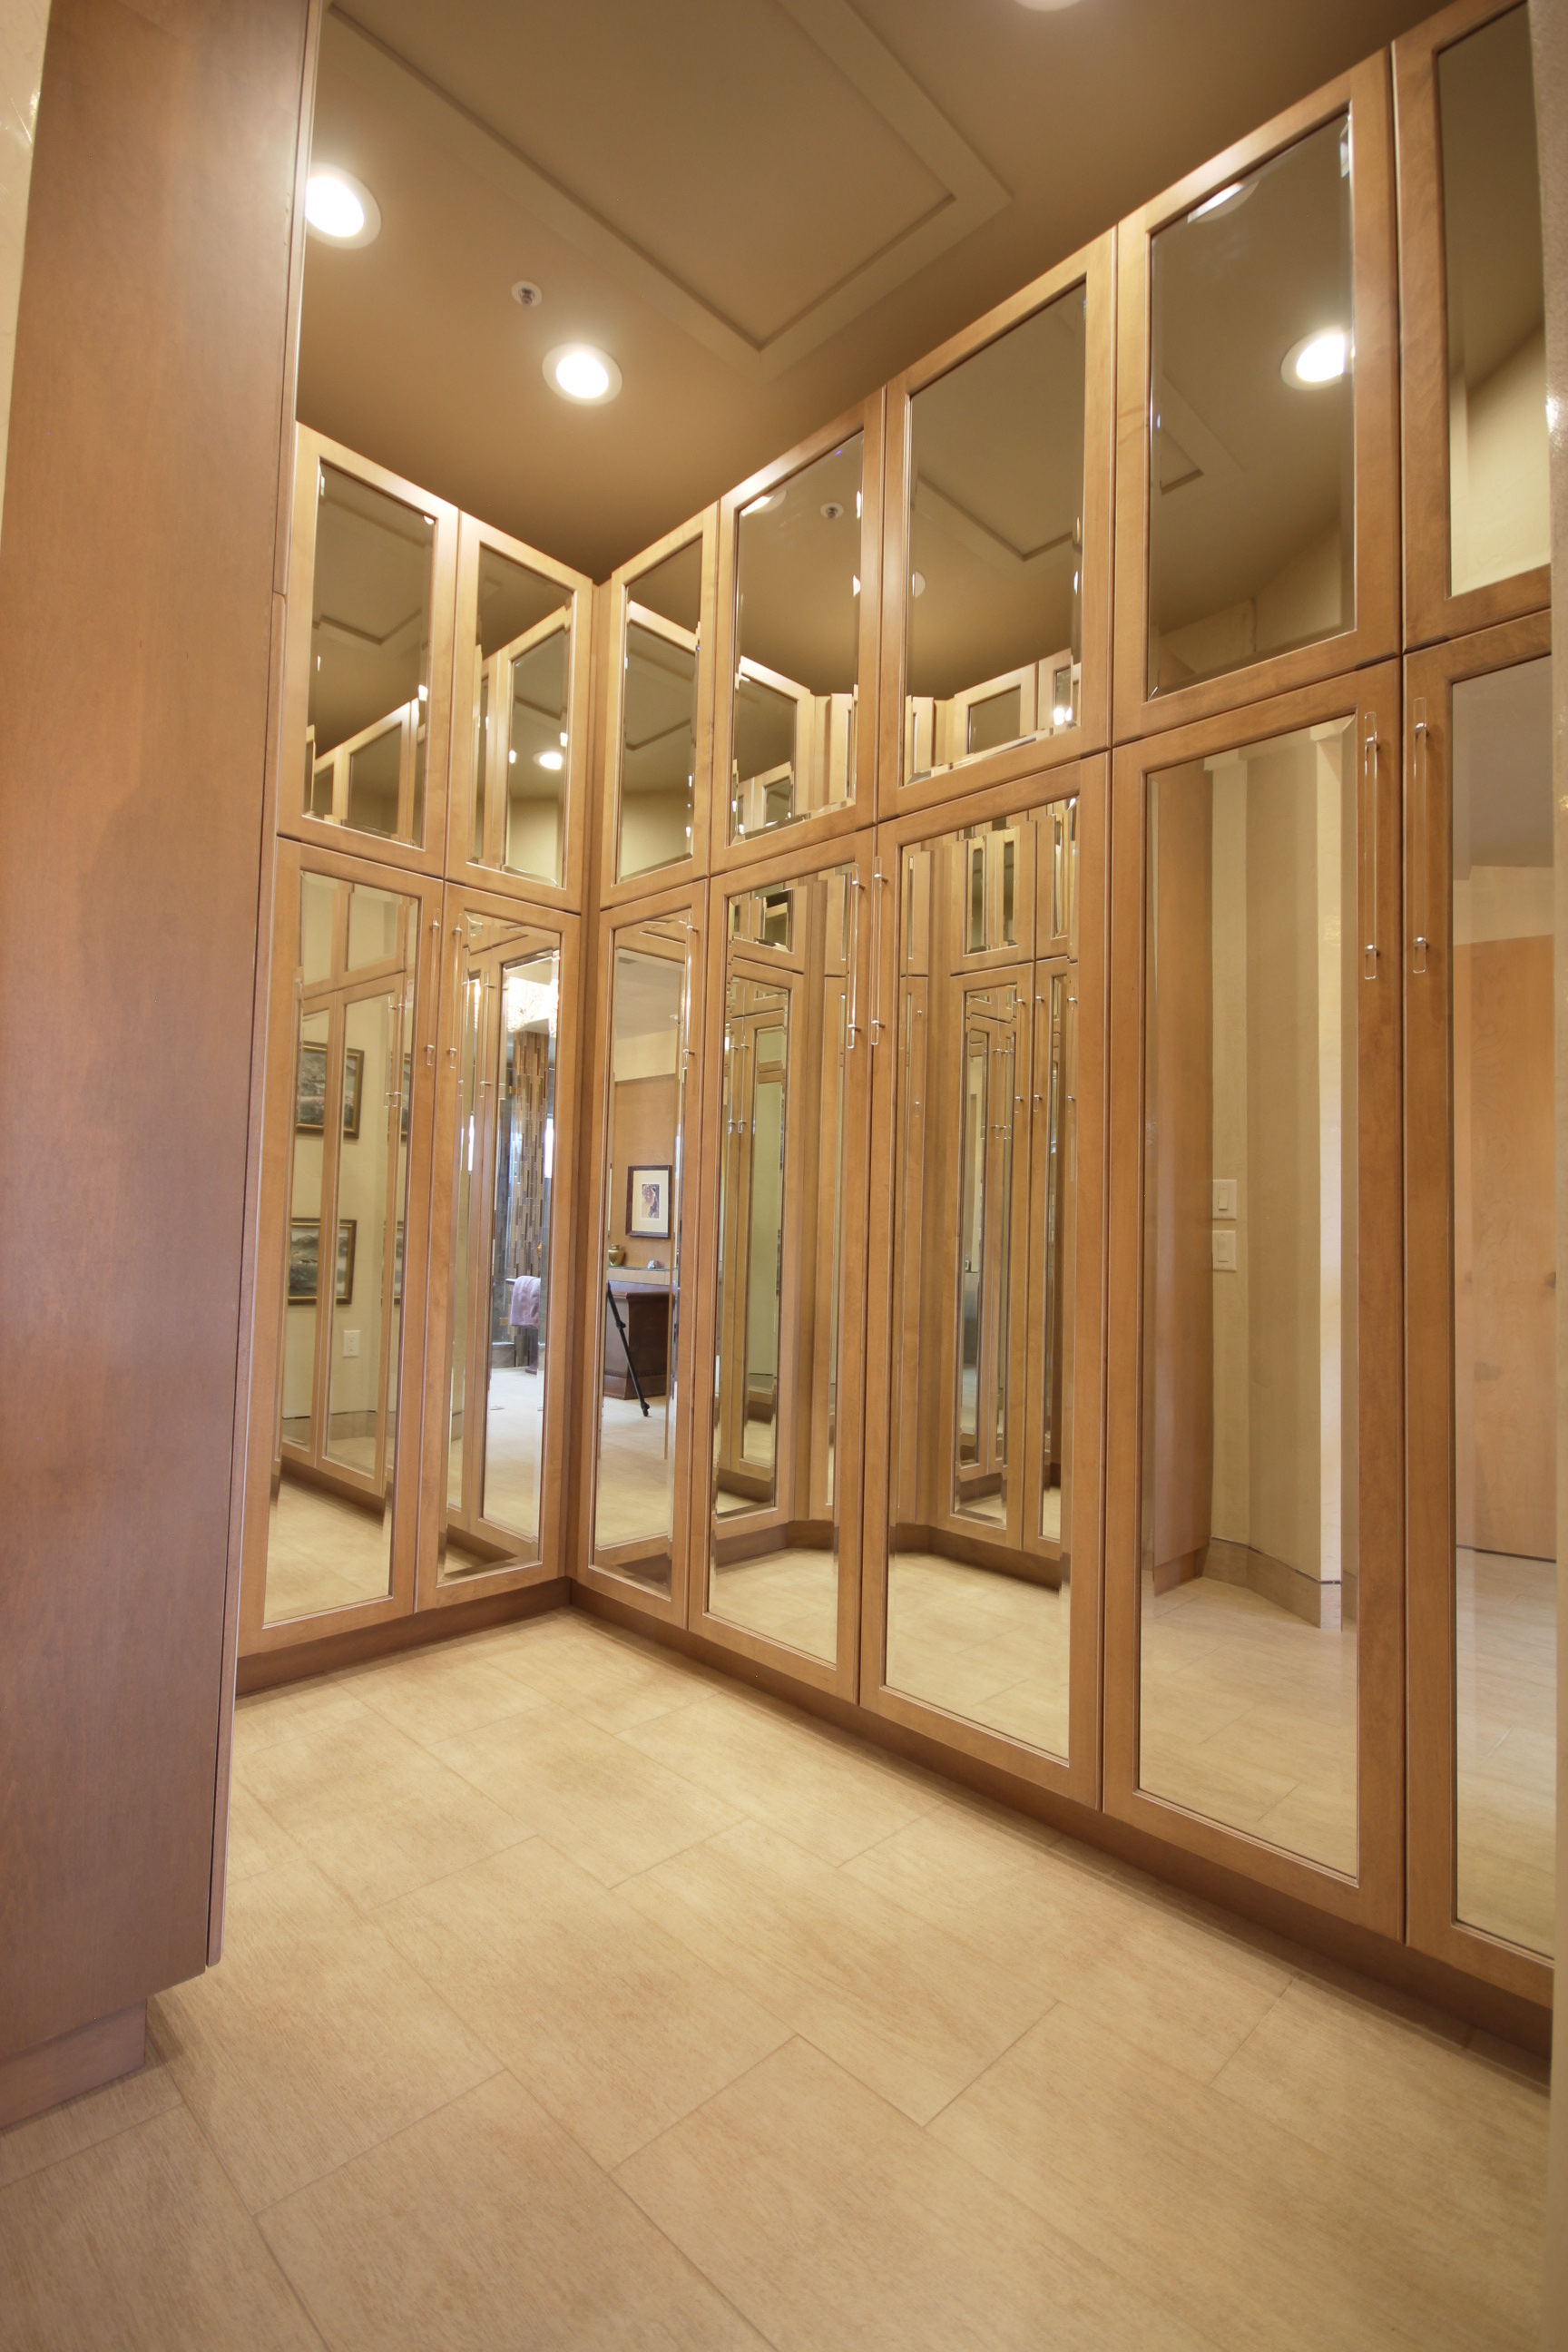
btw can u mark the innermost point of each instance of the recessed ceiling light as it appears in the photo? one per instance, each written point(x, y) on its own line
point(340, 208)
point(527, 295)
point(1320, 358)
point(577, 372)
point(551, 760)
point(1047, 7)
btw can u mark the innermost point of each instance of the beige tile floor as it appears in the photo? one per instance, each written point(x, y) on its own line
point(574, 1997)
point(635, 1492)
point(323, 1552)
point(1507, 1651)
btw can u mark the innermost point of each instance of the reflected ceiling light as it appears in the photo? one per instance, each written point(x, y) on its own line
point(1047, 7)
point(766, 504)
point(551, 760)
point(340, 208)
point(577, 372)
point(917, 583)
point(1224, 200)
point(528, 1001)
point(1320, 358)
point(855, 590)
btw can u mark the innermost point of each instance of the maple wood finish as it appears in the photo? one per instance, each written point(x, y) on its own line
point(619, 594)
point(1431, 610)
point(131, 849)
point(1432, 1533)
point(1365, 92)
point(1094, 267)
point(1375, 1896)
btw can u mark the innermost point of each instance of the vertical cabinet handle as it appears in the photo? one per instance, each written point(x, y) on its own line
point(1369, 843)
point(436, 958)
point(877, 879)
point(856, 886)
point(1420, 790)
point(457, 993)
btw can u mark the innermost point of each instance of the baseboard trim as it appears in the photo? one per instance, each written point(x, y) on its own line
point(301, 1662)
point(72, 2064)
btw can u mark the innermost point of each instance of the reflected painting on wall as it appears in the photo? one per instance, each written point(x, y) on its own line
point(304, 1251)
point(648, 1202)
point(310, 1090)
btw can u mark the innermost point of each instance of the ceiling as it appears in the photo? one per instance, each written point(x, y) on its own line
point(761, 209)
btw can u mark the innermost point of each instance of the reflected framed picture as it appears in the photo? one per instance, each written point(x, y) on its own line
point(304, 1269)
point(397, 1266)
point(310, 1090)
point(648, 1202)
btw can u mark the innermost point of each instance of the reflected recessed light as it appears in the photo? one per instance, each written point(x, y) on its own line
point(551, 760)
point(1047, 7)
point(577, 372)
point(1224, 200)
point(855, 590)
point(831, 510)
point(766, 504)
point(340, 208)
point(1321, 358)
point(917, 583)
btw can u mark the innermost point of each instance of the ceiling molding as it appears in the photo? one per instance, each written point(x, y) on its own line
point(973, 192)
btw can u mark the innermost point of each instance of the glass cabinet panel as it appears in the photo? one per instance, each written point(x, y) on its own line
point(1250, 1484)
point(1504, 1277)
point(984, 1219)
point(1252, 481)
point(993, 596)
point(1499, 511)
point(510, 984)
point(519, 693)
point(659, 713)
point(339, 1366)
point(774, 1557)
point(635, 1489)
point(798, 637)
point(369, 700)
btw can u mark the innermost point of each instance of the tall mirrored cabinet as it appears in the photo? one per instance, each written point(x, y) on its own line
point(1477, 524)
point(658, 720)
point(1481, 1178)
point(981, 1581)
point(996, 628)
point(367, 664)
point(1257, 486)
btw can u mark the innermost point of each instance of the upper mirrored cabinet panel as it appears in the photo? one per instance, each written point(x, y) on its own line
point(1251, 537)
point(368, 711)
point(520, 716)
point(1499, 505)
point(659, 713)
point(993, 585)
point(798, 570)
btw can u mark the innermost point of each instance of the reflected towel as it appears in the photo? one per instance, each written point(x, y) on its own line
point(524, 1313)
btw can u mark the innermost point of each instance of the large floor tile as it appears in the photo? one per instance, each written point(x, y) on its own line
point(616, 2026)
point(141, 2245)
point(831, 2220)
point(488, 2226)
point(81, 2123)
point(449, 1690)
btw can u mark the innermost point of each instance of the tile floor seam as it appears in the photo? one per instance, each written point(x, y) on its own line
point(413, 2122)
point(105, 2140)
point(787, 2033)
point(529, 1837)
point(255, 2221)
point(1053, 2001)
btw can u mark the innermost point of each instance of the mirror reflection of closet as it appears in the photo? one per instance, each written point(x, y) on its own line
point(1251, 547)
point(1498, 498)
point(340, 1368)
point(993, 596)
point(635, 1469)
point(369, 707)
point(509, 984)
point(980, 1504)
point(519, 714)
point(797, 633)
point(1250, 1480)
point(788, 1003)
point(1504, 1304)
point(659, 713)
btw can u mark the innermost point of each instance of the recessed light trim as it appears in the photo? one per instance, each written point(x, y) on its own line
point(340, 209)
point(580, 372)
point(551, 760)
point(1319, 358)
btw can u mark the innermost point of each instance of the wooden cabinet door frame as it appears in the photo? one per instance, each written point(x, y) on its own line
point(616, 600)
point(1365, 92)
point(1431, 610)
point(313, 451)
point(293, 860)
point(562, 932)
point(490, 873)
point(1431, 1525)
point(1093, 269)
point(798, 863)
point(1375, 1896)
point(1078, 1776)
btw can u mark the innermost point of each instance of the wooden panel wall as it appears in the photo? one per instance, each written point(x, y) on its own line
point(136, 607)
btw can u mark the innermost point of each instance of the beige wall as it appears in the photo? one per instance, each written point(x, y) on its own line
point(23, 25)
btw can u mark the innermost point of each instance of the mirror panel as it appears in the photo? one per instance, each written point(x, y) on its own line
point(1252, 465)
point(504, 1145)
point(520, 719)
point(1250, 1475)
point(330, 1532)
point(773, 1537)
point(980, 1508)
point(798, 637)
point(1498, 495)
point(994, 597)
point(1504, 1305)
point(645, 1129)
point(659, 713)
point(368, 711)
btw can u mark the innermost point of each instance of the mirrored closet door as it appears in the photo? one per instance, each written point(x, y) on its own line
point(1481, 1176)
point(658, 712)
point(982, 1490)
point(500, 1242)
point(1254, 1556)
point(776, 1481)
point(330, 1496)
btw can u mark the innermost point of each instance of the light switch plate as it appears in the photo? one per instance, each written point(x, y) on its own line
point(1225, 1196)
point(1224, 1251)
point(351, 1343)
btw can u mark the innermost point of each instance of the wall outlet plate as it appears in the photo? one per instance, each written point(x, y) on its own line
point(1225, 1196)
point(1224, 1251)
point(351, 1343)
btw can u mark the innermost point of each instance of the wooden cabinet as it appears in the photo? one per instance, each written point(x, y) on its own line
point(656, 723)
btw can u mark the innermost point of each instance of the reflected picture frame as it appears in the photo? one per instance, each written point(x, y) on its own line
point(304, 1270)
point(648, 1201)
point(310, 1090)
